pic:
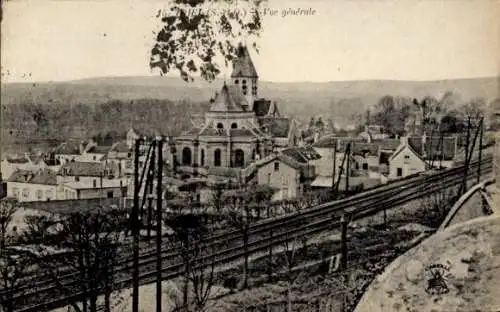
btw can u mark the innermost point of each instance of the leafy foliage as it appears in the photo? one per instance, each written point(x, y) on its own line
point(195, 33)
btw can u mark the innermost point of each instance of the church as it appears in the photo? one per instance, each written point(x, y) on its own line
point(239, 128)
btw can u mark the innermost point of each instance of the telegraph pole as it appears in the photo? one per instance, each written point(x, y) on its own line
point(467, 143)
point(347, 173)
point(334, 168)
point(135, 230)
point(159, 222)
point(480, 156)
point(343, 260)
point(150, 187)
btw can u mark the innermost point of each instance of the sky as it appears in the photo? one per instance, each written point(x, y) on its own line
point(56, 40)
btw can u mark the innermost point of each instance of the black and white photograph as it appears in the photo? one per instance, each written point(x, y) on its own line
point(250, 156)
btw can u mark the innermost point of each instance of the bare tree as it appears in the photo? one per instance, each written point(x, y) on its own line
point(202, 274)
point(243, 206)
point(92, 239)
point(189, 231)
point(14, 265)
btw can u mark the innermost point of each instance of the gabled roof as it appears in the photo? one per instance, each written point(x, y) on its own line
point(387, 144)
point(86, 169)
point(229, 99)
point(99, 149)
point(435, 147)
point(120, 147)
point(44, 176)
point(243, 65)
point(360, 148)
point(402, 147)
point(301, 154)
point(261, 107)
point(67, 148)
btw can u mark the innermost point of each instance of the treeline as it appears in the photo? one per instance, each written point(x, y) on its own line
point(447, 114)
point(30, 122)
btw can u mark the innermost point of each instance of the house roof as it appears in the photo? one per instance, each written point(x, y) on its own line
point(229, 99)
point(276, 127)
point(44, 176)
point(243, 65)
point(86, 169)
point(99, 149)
point(301, 154)
point(435, 147)
point(67, 148)
point(20, 160)
point(402, 147)
point(360, 148)
point(120, 147)
point(387, 144)
point(261, 107)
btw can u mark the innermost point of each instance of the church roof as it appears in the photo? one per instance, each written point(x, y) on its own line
point(229, 99)
point(243, 65)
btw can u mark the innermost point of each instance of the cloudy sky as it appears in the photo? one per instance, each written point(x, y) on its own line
point(56, 40)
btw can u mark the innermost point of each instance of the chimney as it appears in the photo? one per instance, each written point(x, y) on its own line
point(496, 160)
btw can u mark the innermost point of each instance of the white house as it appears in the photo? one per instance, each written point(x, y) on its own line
point(27, 186)
point(83, 180)
point(405, 161)
point(68, 151)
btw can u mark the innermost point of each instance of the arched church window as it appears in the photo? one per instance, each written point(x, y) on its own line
point(236, 81)
point(234, 125)
point(202, 158)
point(220, 125)
point(244, 81)
point(186, 156)
point(217, 158)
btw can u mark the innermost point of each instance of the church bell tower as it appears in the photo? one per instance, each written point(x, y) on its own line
point(245, 76)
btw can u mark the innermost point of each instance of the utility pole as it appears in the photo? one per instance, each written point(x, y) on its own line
point(334, 194)
point(159, 222)
point(150, 187)
point(480, 156)
point(135, 230)
point(343, 260)
point(348, 171)
point(467, 143)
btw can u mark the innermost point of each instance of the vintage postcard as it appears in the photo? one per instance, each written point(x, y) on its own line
point(250, 155)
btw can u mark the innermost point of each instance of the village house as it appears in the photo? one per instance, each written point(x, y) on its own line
point(290, 171)
point(238, 129)
point(406, 161)
point(93, 153)
point(418, 153)
point(28, 162)
point(28, 186)
point(68, 151)
point(83, 180)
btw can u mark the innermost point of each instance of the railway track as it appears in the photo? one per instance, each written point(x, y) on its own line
point(308, 222)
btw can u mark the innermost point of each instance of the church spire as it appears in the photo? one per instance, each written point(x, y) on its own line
point(243, 65)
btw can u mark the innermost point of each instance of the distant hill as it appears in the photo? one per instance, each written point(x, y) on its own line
point(337, 100)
